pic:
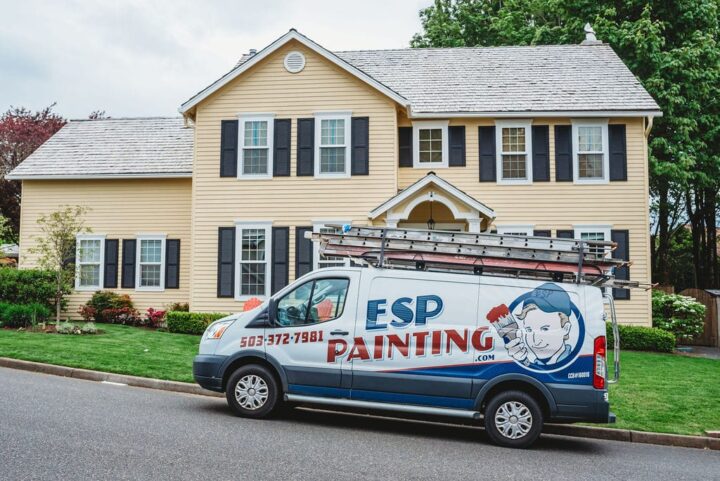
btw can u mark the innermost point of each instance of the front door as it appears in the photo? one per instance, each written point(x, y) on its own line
point(309, 319)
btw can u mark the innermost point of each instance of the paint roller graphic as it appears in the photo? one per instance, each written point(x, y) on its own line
point(505, 324)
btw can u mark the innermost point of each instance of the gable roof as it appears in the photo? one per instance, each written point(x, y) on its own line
point(542, 80)
point(112, 148)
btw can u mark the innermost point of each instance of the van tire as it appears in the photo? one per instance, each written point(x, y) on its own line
point(521, 410)
point(252, 392)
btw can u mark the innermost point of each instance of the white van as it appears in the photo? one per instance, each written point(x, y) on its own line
point(514, 352)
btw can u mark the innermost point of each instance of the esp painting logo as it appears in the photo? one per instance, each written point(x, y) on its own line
point(397, 317)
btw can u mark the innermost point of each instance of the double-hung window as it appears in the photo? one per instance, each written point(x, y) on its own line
point(253, 258)
point(332, 144)
point(150, 262)
point(319, 260)
point(430, 144)
point(256, 146)
point(513, 147)
point(594, 233)
point(89, 260)
point(590, 151)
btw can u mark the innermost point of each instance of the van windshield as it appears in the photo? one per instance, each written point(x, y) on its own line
point(319, 300)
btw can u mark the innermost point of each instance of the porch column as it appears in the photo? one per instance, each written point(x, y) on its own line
point(474, 225)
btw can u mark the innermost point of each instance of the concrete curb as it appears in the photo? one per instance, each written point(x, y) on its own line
point(626, 435)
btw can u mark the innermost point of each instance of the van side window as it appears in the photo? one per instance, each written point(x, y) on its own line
point(315, 301)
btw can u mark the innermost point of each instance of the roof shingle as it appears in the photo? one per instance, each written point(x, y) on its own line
point(122, 147)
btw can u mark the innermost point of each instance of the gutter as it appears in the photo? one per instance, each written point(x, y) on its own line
point(177, 175)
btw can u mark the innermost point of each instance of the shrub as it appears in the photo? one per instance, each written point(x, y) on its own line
point(179, 307)
point(68, 328)
point(681, 315)
point(88, 328)
point(109, 301)
point(155, 318)
point(26, 286)
point(23, 315)
point(121, 315)
point(87, 313)
point(191, 322)
point(640, 338)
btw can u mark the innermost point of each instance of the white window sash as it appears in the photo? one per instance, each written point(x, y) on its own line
point(603, 124)
point(317, 262)
point(347, 118)
point(243, 119)
point(100, 263)
point(241, 226)
point(430, 125)
point(604, 229)
point(138, 275)
point(499, 156)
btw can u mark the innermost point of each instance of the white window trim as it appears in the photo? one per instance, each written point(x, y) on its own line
point(528, 229)
point(101, 278)
point(520, 123)
point(606, 229)
point(603, 123)
point(138, 270)
point(239, 226)
point(333, 115)
point(317, 225)
point(430, 124)
point(261, 117)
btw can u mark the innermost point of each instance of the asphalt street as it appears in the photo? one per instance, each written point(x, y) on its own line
point(54, 428)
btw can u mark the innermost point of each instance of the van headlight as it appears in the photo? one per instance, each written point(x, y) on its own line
point(217, 329)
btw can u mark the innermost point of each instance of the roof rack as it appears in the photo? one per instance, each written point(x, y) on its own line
point(556, 259)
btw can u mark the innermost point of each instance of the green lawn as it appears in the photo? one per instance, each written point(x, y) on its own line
point(657, 392)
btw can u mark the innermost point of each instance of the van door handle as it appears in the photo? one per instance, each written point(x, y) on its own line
point(338, 332)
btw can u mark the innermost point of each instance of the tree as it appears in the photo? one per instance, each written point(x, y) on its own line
point(5, 230)
point(56, 247)
point(672, 47)
point(21, 132)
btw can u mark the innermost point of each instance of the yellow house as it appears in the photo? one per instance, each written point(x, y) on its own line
point(211, 208)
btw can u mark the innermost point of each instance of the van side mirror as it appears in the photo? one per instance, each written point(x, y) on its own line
point(272, 312)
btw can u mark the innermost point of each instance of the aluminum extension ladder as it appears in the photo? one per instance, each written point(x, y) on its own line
point(556, 259)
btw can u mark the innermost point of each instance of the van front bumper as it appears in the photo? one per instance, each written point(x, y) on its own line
point(207, 371)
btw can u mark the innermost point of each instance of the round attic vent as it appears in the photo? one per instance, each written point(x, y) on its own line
point(294, 62)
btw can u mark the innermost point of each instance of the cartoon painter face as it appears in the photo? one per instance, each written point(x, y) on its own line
point(541, 328)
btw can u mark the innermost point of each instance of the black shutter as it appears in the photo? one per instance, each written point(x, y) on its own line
point(565, 234)
point(280, 261)
point(622, 251)
point(541, 153)
point(226, 262)
point(281, 147)
point(542, 233)
point(111, 263)
point(563, 153)
point(618, 153)
point(360, 154)
point(172, 264)
point(128, 263)
point(306, 147)
point(405, 149)
point(228, 148)
point(456, 142)
point(303, 252)
point(486, 137)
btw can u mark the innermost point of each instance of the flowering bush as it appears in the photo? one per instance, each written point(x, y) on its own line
point(122, 315)
point(155, 318)
point(87, 313)
point(103, 301)
point(681, 315)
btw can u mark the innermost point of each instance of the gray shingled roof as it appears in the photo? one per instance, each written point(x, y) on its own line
point(547, 78)
point(123, 147)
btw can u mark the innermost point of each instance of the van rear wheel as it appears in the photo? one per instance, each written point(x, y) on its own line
point(252, 391)
point(513, 419)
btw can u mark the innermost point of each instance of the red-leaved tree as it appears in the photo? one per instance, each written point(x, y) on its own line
point(21, 132)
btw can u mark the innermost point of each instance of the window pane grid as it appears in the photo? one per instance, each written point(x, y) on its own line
point(253, 262)
point(514, 166)
point(332, 132)
point(256, 133)
point(89, 258)
point(332, 160)
point(430, 145)
point(255, 161)
point(513, 140)
point(150, 262)
point(590, 152)
point(595, 236)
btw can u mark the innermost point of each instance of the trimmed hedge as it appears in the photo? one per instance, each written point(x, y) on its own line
point(23, 315)
point(27, 286)
point(191, 322)
point(639, 338)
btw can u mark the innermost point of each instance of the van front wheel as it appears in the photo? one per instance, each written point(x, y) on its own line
point(252, 391)
point(513, 419)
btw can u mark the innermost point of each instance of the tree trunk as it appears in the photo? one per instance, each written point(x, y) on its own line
point(710, 239)
point(695, 233)
point(58, 298)
point(663, 238)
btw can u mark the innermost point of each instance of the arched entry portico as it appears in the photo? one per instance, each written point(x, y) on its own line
point(433, 202)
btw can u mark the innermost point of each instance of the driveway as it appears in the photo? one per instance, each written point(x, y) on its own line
point(62, 428)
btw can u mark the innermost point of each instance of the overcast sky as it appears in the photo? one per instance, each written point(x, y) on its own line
point(137, 58)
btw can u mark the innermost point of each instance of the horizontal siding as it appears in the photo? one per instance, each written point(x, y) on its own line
point(120, 209)
point(287, 201)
